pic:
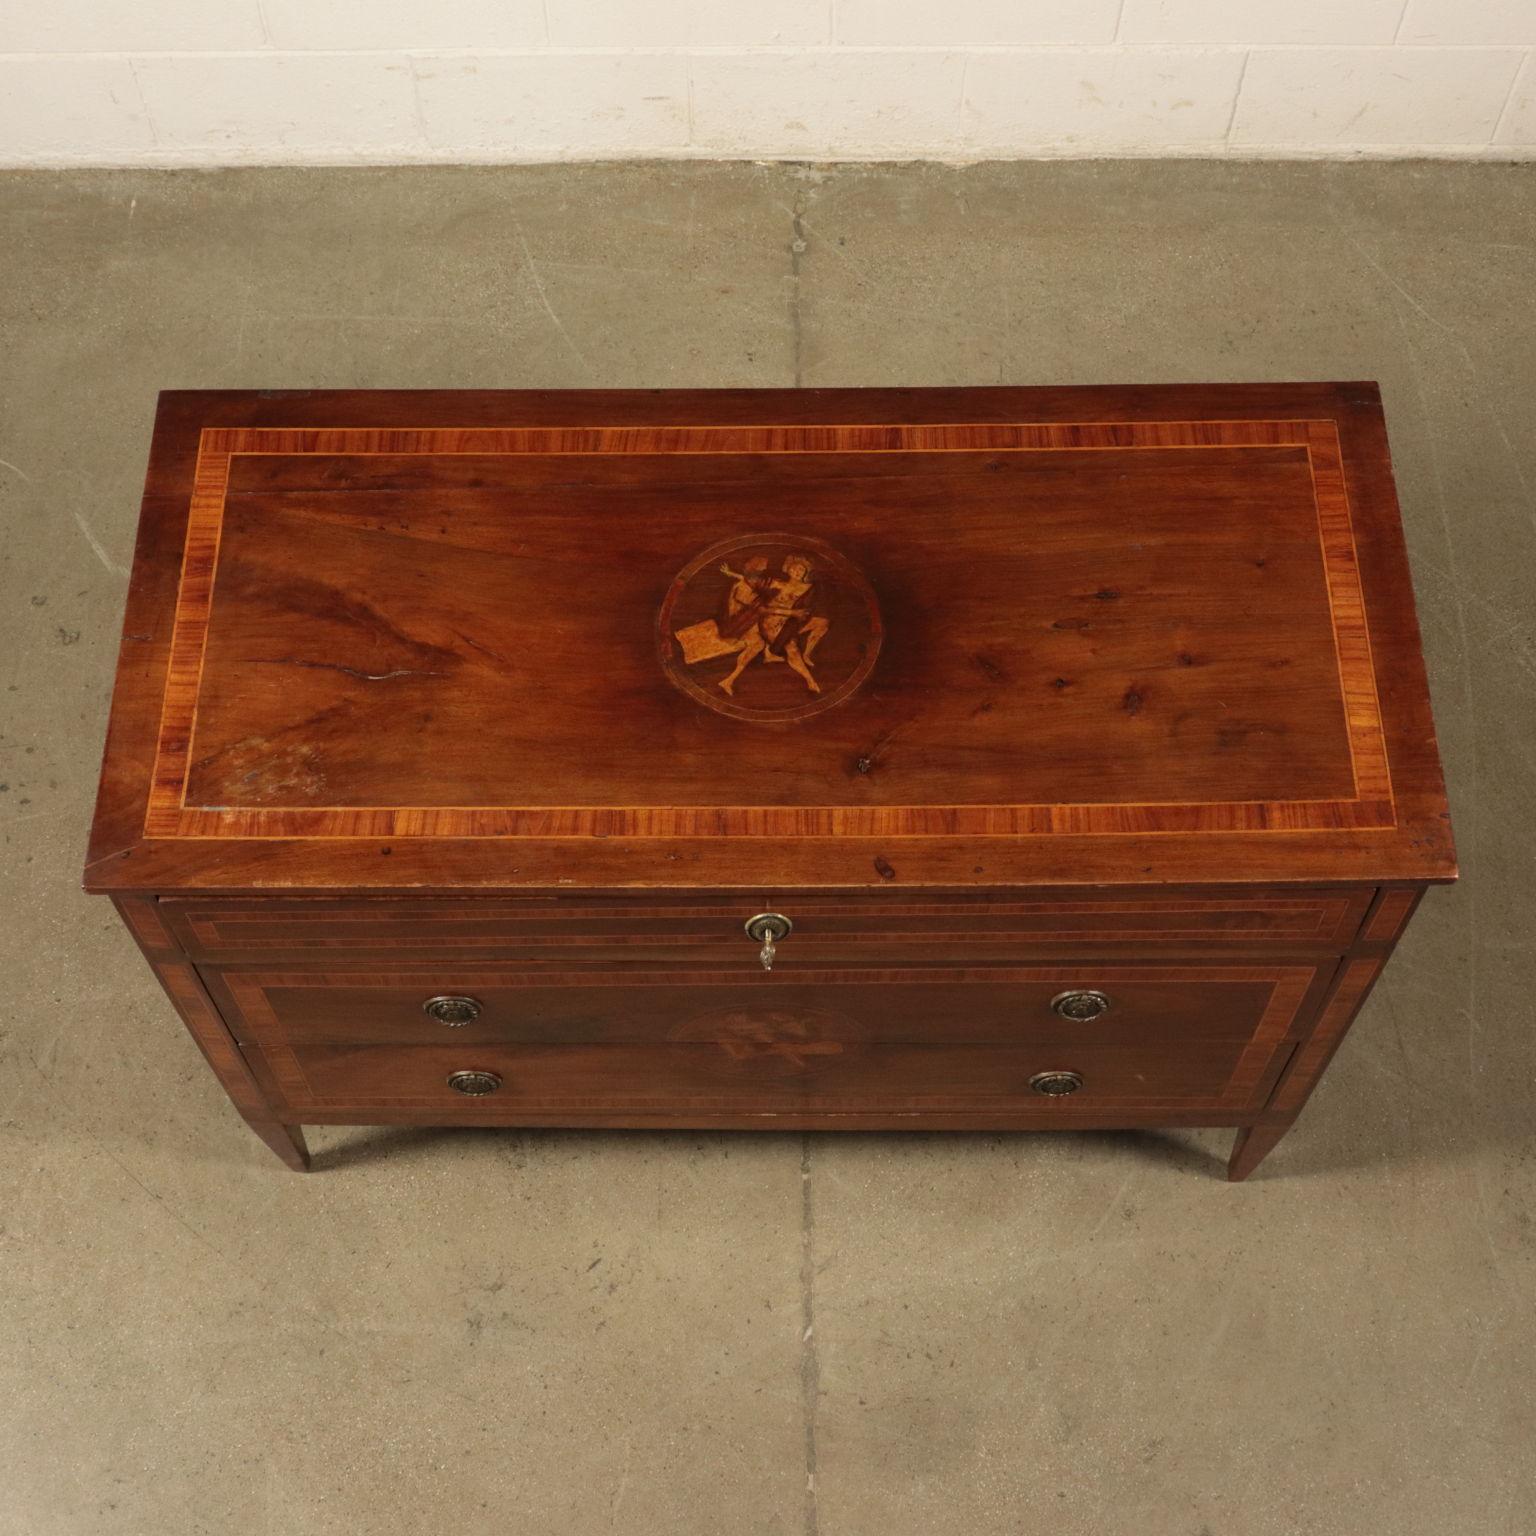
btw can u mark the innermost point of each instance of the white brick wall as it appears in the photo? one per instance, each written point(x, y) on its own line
point(197, 82)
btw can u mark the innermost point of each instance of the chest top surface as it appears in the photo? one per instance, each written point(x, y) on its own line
point(955, 637)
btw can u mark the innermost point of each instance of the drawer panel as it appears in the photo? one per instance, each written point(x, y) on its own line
point(827, 928)
point(651, 1041)
point(933, 1005)
point(645, 1079)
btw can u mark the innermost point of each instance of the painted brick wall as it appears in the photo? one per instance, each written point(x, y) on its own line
point(206, 82)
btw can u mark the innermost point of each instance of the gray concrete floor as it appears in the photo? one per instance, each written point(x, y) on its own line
point(573, 1333)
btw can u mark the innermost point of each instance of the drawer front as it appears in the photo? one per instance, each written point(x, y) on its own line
point(826, 928)
point(950, 1038)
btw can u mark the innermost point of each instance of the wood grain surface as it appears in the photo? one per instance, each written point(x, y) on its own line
point(1159, 636)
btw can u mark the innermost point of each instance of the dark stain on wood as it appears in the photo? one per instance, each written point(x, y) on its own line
point(1238, 733)
point(336, 666)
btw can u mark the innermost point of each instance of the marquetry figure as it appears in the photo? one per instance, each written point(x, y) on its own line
point(760, 611)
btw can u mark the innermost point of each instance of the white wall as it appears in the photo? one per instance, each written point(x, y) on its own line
point(195, 82)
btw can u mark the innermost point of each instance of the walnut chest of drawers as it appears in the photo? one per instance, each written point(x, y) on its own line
point(952, 759)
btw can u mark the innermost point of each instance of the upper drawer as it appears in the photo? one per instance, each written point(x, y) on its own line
point(825, 927)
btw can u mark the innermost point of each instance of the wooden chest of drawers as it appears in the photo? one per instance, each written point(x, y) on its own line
point(995, 758)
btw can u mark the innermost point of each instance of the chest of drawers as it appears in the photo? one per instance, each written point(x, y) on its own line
point(989, 759)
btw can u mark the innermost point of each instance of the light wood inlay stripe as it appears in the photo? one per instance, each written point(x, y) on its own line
point(1322, 920)
point(1341, 565)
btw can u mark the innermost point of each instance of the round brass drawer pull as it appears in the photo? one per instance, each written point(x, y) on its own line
point(767, 929)
point(474, 1085)
point(452, 1010)
point(1056, 1084)
point(1080, 1005)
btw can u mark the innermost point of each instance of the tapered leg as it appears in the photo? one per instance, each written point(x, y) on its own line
point(285, 1140)
point(1300, 1077)
point(213, 1038)
point(1254, 1143)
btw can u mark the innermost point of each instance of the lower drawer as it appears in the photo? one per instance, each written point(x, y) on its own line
point(1171, 1036)
point(823, 1075)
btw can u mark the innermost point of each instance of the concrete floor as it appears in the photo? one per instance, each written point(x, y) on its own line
point(573, 1333)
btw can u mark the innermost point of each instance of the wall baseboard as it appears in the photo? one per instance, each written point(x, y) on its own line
point(1114, 86)
point(256, 159)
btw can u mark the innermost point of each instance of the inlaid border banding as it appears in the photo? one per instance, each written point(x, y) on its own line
point(1370, 809)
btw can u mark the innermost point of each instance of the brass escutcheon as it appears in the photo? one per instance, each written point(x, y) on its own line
point(767, 929)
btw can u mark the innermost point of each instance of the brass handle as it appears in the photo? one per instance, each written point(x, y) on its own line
point(452, 1010)
point(767, 929)
point(474, 1085)
point(1080, 1006)
point(1055, 1085)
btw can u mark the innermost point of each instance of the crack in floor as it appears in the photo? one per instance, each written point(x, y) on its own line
point(810, 1365)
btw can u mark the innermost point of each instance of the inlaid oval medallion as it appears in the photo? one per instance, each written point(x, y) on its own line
point(770, 626)
point(774, 1042)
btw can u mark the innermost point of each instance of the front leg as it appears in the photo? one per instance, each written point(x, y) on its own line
point(1295, 1087)
point(285, 1140)
point(1254, 1143)
point(206, 1025)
